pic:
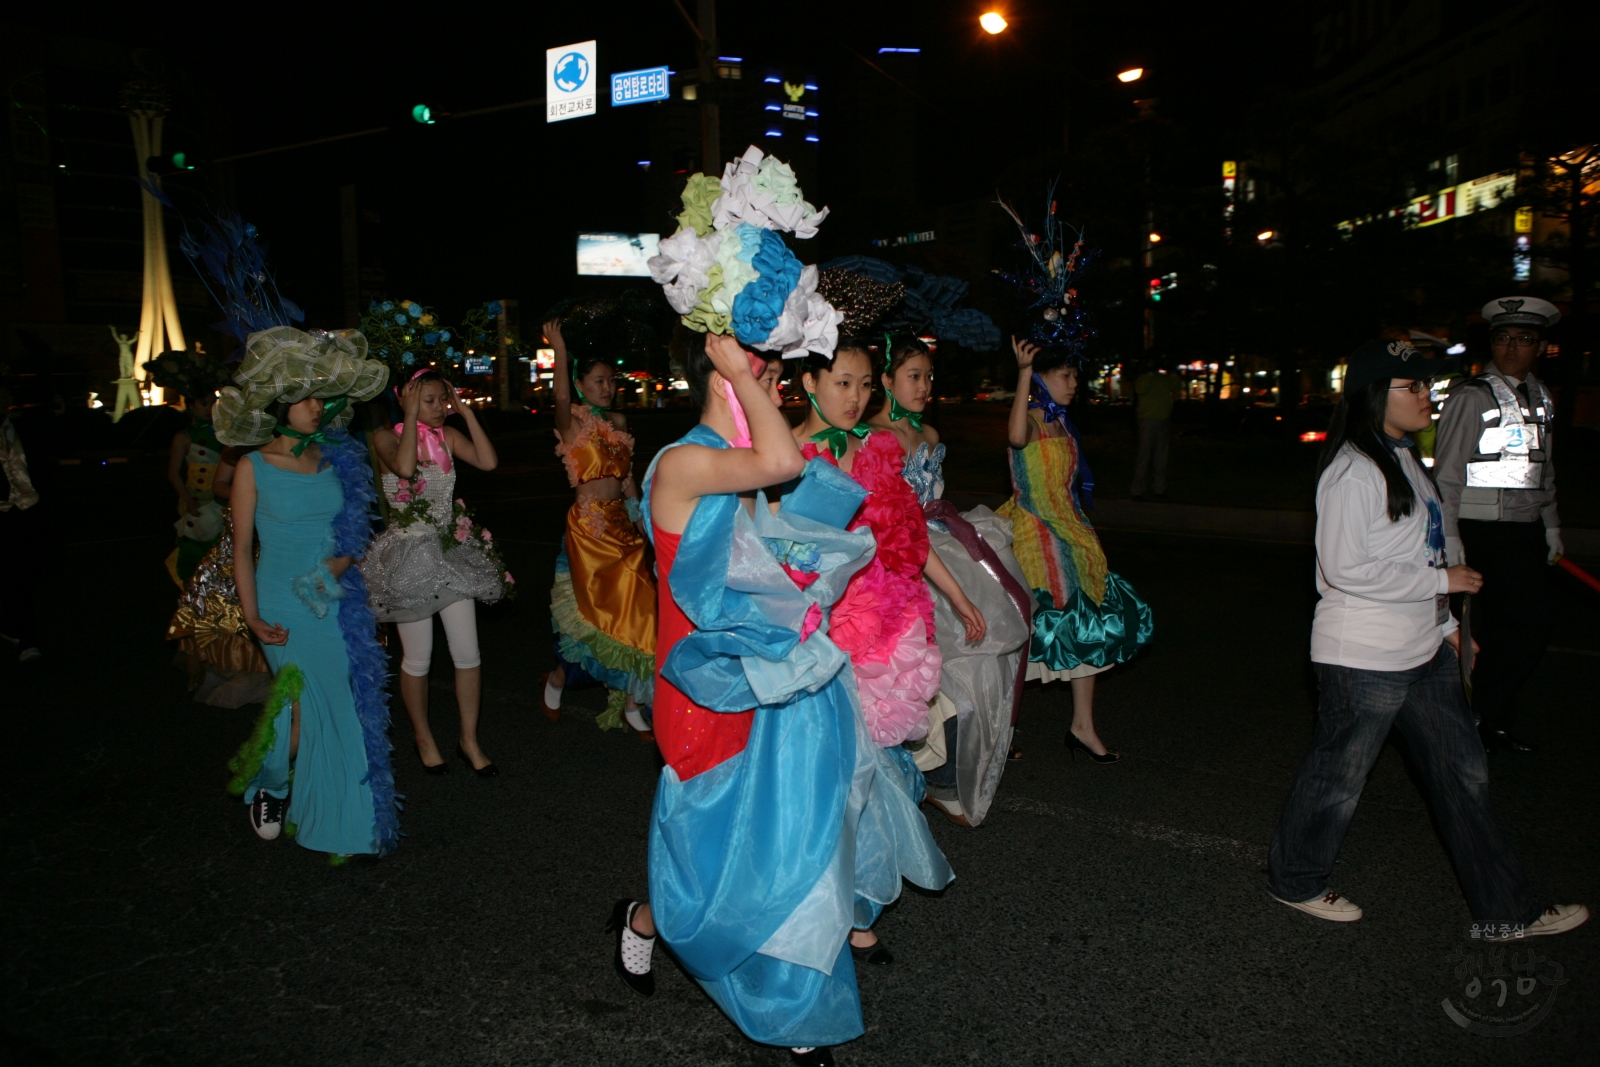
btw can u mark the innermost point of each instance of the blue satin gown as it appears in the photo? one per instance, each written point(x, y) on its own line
point(331, 805)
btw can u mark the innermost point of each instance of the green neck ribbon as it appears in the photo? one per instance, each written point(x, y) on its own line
point(319, 436)
point(597, 412)
point(837, 440)
point(896, 413)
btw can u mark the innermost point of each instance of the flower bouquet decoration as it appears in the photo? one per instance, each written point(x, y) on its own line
point(728, 270)
point(408, 336)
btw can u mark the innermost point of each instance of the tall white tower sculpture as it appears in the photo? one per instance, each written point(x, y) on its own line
point(159, 329)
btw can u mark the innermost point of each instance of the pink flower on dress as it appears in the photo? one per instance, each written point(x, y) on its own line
point(463, 531)
point(402, 497)
point(419, 485)
point(510, 580)
point(487, 536)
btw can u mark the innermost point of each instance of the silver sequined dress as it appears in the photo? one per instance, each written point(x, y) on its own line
point(409, 572)
point(977, 681)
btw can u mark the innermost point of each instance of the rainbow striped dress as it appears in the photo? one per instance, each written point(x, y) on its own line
point(1088, 617)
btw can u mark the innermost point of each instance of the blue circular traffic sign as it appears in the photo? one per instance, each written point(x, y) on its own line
point(571, 72)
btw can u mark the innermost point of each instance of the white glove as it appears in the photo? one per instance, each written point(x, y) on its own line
point(1552, 537)
point(1455, 554)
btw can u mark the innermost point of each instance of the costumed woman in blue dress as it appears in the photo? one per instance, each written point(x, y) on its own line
point(308, 495)
point(772, 832)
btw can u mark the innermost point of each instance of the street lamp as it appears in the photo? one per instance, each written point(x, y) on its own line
point(1127, 76)
point(992, 21)
point(1155, 238)
point(1266, 235)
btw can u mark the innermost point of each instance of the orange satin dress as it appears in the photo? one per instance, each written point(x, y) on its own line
point(603, 603)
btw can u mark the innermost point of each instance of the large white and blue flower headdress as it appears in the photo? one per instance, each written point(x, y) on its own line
point(727, 269)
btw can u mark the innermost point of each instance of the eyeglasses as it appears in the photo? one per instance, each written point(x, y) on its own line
point(1521, 340)
point(1421, 385)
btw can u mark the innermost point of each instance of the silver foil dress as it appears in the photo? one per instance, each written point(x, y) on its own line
point(979, 683)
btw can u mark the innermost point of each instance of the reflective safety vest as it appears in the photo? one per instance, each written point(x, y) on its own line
point(1511, 446)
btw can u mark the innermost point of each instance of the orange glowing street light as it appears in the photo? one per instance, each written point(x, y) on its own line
point(1132, 75)
point(1155, 238)
point(1266, 235)
point(992, 21)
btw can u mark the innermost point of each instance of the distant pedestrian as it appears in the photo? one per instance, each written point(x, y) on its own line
point(1156, 389)
point(23, 540)
point(1384, 647)
point(194, 457)
point(1497, 479)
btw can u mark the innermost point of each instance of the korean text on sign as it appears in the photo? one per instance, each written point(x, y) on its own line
point(639, 86)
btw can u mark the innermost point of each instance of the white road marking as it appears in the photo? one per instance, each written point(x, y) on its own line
point(1186, 840)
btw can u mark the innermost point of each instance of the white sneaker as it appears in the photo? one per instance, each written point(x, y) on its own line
point(1557, 919)
point(636, 720)
point(1330, 906)
point(266, 815)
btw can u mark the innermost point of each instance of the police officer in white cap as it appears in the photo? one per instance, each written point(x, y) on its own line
point(1497, 483)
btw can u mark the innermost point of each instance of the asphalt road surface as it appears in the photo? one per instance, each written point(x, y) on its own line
point(1103, 915)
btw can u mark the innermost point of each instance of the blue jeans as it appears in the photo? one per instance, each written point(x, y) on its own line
point(1427, 706)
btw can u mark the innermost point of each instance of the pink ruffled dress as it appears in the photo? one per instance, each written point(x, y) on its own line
point(885, 618)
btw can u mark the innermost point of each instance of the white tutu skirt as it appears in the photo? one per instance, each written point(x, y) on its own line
point(411, 577)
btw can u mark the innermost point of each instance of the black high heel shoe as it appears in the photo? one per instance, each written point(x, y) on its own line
point(1073, 745)
point(622, 920)
point(431, 768)
point(488, 770)
point(877, 954)
point(815, 1057)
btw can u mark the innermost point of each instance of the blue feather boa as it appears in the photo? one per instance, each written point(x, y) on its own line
point(369, 664)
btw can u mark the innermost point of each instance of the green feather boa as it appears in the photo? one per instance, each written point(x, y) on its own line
point(286, 688)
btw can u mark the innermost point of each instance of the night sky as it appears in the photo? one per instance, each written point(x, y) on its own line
point(485, 207)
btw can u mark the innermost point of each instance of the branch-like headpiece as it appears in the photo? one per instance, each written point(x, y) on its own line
point(1049, 281)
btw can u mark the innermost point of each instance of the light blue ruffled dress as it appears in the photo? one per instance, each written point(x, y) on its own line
point(760, 866)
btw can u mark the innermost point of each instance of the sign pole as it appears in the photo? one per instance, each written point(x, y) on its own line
point(502, 363)
point(710, 112)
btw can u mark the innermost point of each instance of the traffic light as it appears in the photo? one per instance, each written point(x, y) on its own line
point(1164, 284)
point(172, 164)
point(423, 114)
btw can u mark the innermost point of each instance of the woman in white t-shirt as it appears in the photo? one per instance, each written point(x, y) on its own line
point(1384, 647)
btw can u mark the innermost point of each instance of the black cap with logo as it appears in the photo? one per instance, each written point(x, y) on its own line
point(1385, 357)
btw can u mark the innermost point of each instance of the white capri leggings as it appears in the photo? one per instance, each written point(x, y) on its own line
point(460, 629)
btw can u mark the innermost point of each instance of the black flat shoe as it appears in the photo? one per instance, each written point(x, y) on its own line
point(876, 954)
point(1497, 738)
point(1074, 745)
point(622, 920)
point(432, 768)
point(488, 770)
point(817, 1057)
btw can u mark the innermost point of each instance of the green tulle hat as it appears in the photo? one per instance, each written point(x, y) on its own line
point(290, 365)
